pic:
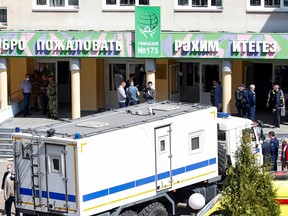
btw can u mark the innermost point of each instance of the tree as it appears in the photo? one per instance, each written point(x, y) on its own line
point(248, 189)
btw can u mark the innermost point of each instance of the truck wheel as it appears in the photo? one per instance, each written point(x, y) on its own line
point(154, 209)
point(128, 213)
point(222, 160)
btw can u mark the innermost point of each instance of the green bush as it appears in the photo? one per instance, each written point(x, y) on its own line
point(248, 188)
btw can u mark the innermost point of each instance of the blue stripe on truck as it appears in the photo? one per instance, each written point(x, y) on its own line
point(147, 180)
point(122, 187)
point(52, 195)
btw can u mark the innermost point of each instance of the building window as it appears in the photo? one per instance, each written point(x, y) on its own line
point(267, 5)
point(123, 4)
point(201, 5)
point(3, 17)
point(196, 141)
point(55, 5)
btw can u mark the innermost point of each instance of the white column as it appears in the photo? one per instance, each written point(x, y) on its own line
point(150, 67)
point(3, 84)
point(75, 88)
point(226, 86)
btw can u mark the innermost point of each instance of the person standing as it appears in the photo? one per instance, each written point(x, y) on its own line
point(266, 152)
point(9, 193)
point(8, 171)
point(44, 98)
point(131, 78)
point(121, 94)
point(274, 144)
point(218, 95)
point(250, 97)
point(133, 94)
point(51, 93)
point(26, 87)
point(284, 154)
point(240, 100)
point(149, 92)
point(275, 101)
point(36, 91)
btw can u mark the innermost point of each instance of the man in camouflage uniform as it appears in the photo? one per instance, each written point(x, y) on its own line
point(51, 93)
point(36, 91)
point(44, 82)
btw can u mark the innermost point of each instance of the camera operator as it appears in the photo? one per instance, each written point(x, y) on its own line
point(149, 93)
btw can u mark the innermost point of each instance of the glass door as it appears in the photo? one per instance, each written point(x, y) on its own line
point(174, 82)
point(116, 72)
point(209, 72)
point(189, 82)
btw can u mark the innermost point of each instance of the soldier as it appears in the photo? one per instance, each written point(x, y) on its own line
point(43, 86)
point(36, 91)
point(51, 93)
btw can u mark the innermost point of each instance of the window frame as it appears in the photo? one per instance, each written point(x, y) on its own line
point(66, 8)
point(200, 135)
point(190, 8)
point(51, 163)
point(262, 9)
point(118, 7)
point(3, 25)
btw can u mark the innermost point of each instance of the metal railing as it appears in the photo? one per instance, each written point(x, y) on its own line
point(15, 96)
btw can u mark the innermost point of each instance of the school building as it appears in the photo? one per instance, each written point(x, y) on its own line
point(180, 45)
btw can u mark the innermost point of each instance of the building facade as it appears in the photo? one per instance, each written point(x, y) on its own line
point(91, 45)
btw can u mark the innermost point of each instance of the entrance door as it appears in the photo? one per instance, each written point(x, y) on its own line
point(259, 74)
point(163, 158)
point(62, 75)
point(189, 82)
point(116, 72)
point(208, 73)
point(57, 198)
point(174, 82)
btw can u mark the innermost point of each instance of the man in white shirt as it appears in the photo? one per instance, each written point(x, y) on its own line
point(26, 87)
point(121, 94)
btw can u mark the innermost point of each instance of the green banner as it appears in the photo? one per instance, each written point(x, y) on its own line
point(147, 32)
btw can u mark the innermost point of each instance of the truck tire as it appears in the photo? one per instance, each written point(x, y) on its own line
point(128, 213)
point(154, 209)
point(222, 161)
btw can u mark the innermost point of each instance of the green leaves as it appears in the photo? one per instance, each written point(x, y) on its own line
point(248, 188)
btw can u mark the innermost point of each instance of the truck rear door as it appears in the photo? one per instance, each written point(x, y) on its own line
point(57, 198)
point(163, 157)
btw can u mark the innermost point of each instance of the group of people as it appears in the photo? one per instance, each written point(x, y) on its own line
point(128, 94)
point(8, 188)
point(270, 152)
point(246, 102)
point(40, 86)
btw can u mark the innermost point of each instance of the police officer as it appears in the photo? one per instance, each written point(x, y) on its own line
point(51, 93)
point(274, 144)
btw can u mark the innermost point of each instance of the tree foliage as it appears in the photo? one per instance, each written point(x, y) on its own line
point(248, 188)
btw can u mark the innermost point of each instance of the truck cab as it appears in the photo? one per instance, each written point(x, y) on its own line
point(230, 135)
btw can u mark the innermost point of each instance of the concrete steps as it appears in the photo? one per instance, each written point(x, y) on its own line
point(6, 143)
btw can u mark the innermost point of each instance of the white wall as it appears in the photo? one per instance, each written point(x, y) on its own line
point(90, 16)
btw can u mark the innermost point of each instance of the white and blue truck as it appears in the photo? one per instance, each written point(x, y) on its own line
point(141, 160)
